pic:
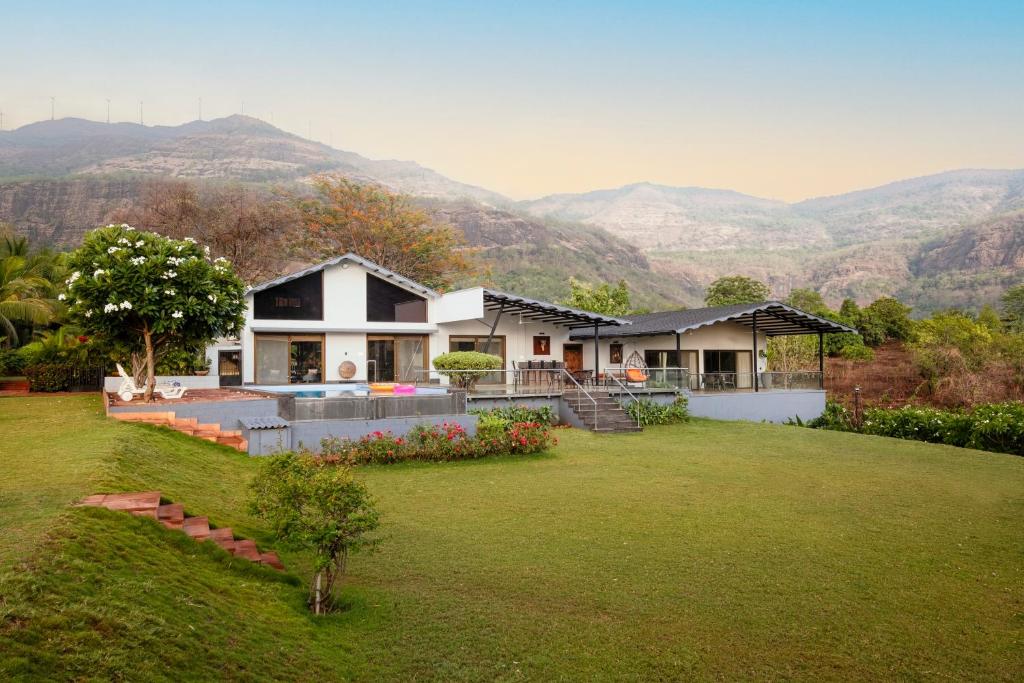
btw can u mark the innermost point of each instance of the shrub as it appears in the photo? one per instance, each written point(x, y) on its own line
point(520, 413)
point(647, 412)
point(997, 427)
point(317, 508)
point(857, 352)
point(440, 443)
point(12, 363)
point(835, 417)
point(48, 376)
point(466, 368)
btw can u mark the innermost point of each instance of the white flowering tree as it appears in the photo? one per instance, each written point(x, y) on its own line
point(151, 294)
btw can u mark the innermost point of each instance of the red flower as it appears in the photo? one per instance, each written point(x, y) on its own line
point(82, 339)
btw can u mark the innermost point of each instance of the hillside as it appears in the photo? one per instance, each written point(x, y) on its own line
point(521, 253)
point(236, 147)
point(913, 238)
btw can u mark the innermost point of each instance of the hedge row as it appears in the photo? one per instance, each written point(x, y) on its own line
point(997, 427)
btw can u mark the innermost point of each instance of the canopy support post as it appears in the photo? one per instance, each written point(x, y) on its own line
point(490, 337)
point(821, 360)
point(753, 362)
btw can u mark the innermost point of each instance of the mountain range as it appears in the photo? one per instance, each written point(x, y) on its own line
point(954, 238)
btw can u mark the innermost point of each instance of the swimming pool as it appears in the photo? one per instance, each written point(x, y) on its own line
point(342, 390)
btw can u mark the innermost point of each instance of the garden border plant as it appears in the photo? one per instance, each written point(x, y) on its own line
point(996, 427)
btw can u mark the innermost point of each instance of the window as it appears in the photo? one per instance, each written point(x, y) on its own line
point(615, 353)
point(542, 346)
point(661, 359)
point(299, 299)
point(387, 303)
point(289, 359)
point(397, 358)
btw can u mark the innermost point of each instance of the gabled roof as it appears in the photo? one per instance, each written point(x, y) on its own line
point(379, 271)
point(774, 318)
point(542, 311)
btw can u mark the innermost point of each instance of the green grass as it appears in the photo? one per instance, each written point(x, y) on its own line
point(707, 550)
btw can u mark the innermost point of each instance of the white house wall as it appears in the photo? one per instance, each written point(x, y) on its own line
point(724, 336)
point(458, 313)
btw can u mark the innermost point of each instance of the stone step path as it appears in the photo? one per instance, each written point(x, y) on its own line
point(172, 516)
point(190, 426)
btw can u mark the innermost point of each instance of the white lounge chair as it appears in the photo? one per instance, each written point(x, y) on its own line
point(129, 389)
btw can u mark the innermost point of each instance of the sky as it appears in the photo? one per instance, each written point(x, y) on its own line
point(785, 100)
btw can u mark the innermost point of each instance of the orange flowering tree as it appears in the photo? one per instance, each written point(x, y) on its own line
point(385, 228)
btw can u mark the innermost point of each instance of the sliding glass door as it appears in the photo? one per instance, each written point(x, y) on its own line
point(289, 359)
point(397, 358)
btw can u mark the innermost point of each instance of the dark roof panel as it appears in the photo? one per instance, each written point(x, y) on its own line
point(773, 317)
point(542, 311)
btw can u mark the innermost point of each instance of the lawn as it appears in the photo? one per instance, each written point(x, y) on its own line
point(707, 550)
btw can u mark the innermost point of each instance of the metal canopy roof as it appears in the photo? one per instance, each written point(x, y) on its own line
point(773, 318)
point(379, 271)
point(544, 312)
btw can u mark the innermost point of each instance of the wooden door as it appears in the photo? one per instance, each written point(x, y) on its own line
point(572, 354)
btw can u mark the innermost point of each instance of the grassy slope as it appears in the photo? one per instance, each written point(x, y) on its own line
point(711, 550)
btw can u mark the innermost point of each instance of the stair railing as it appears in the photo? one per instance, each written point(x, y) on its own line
point(580, 389)
point(608, 374)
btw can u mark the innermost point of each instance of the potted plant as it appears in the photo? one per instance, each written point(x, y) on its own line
point(202, 366)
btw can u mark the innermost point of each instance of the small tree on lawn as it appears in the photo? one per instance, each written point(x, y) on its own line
point(150, 294)
point(317, 507)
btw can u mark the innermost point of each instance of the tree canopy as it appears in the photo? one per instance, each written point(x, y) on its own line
point(147, 293)
point(1013, 307)
point(603, 298)
point(385, 228)
point(736, 289)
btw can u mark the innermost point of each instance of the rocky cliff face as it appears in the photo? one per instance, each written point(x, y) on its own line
point(60, 212)
point(996, 244)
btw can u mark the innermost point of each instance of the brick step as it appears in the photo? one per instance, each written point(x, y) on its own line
point(197, 527)
point(246, 549)
point(272, 560)
point(157, 418)
point(172, 516)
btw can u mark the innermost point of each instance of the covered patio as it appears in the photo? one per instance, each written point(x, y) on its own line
point(703, 350)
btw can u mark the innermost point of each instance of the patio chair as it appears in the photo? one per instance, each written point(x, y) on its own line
point(637, 372)
point(129, 389)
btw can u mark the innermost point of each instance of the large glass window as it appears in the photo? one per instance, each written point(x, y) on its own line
point(397, 358)
point(387, 303)
point(299, 299)
point(289, 359)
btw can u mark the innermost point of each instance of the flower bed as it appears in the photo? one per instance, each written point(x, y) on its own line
point(449, 441)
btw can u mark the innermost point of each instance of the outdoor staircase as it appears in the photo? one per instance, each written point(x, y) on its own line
point(172, 516)
point(190, 426)
point(611, 416)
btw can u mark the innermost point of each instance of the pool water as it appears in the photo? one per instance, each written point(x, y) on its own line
point(342, 390)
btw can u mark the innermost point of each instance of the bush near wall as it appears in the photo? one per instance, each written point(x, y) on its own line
point(446, 442)
point(48, 376)
point(647, 412)
point(12, 363)
point(520, 413)
point(997, 427)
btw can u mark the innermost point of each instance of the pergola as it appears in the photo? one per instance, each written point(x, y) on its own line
point(544, 312)
point(771, 318)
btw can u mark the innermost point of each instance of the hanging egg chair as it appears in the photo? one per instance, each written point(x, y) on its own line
point(636, 368)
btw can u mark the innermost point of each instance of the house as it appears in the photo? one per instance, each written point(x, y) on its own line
point(350, 320)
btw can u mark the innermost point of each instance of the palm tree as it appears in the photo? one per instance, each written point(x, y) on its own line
point(25, 293)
